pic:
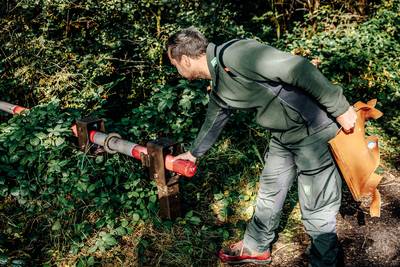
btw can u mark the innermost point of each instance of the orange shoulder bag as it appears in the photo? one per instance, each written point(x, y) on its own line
point(357, 157)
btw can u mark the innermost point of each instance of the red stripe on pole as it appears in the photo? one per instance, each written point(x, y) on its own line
point(91, 136)
point(18, 109)
point(184, 167)
point(137, 150)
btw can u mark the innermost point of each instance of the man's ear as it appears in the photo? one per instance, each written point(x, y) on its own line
point(185, 60)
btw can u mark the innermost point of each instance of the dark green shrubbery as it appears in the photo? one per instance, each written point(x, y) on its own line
point(73, 195)
point(94, 54)
point(170, 111)
point(102, 56)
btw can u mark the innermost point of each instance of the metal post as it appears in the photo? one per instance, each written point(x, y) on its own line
point(84, 126)
point(157, 156)
point(167, 184)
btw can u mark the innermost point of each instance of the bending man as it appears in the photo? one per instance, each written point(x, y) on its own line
point(300, 107)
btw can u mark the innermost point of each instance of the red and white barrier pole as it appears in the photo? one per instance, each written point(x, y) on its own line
point(10, 108)
point(183, 167)
point(114, 143)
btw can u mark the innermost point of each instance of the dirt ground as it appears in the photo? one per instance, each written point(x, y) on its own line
point(366, 241)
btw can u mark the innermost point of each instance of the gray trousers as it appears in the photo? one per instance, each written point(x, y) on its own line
point(319, 190)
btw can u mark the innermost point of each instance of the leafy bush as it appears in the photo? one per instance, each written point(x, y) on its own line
point(172, 111)
point(75, 193)
point(94, 54)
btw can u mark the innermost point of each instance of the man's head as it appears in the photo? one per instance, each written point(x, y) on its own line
point(186, 51)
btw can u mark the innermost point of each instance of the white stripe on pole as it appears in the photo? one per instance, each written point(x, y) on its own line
point(121, 145)
point(99, 138)
point(7, 107)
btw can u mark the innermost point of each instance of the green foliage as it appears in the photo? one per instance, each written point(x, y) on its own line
point(103, 56)
point(90, 54)
point(170, 111)
point(187, 241)
point(362, 57)
point(107, 57)
point(50, 178)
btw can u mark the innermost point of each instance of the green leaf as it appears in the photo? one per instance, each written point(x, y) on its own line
point(124, 223)
point(90, 261)
point(109, 240)
point(92, 249)
point(91, 188)
point(218, 196)
point(153, 199)
point(3, 260)
point(135, 217)
point(15, 191)
point(80, 263)
point(34, 141)
point(225, 234)
point(59, 141)
point(189, 214)
point(18, 263)
point(120, 231)
point(56, 226)
point(3, 190)
point(99, 159)
point(195, 220)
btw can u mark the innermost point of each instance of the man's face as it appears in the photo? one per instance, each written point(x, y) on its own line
point(185, 67)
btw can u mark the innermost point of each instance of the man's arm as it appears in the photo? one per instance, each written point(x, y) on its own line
point(216, 119)
point(258, 61)
point(302, 74)
point(253, 59)
point(305, 75)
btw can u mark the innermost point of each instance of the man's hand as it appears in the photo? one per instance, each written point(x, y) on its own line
point(348, 120)
point(186, 156)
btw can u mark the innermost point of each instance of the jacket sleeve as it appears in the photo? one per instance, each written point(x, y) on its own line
point(302, 74)
point(216, 119)
point(259, 61)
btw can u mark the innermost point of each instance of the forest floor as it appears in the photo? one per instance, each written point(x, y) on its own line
point(365, 240)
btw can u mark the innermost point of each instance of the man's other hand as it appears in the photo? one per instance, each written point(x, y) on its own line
point(348, 120)
point(186, 156)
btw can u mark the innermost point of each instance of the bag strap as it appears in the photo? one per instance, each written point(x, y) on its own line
point(221, 53)
point(221, 61)
point(227, 69)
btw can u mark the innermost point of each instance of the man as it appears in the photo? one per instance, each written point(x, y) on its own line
point(299, 106)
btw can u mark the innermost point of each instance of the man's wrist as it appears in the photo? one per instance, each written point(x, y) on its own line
point(193, 153)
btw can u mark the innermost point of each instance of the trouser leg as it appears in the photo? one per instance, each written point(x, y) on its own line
point(275, 181)
point(319, 188)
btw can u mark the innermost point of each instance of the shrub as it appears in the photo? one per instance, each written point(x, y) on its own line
point(74, 193)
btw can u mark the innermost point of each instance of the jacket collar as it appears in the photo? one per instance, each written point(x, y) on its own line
point(212, 63)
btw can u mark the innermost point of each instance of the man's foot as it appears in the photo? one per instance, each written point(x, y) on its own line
point(238, 254)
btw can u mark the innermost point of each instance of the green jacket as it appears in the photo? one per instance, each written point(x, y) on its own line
point(291, 97)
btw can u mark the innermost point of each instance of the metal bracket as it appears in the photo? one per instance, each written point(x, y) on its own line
point(108, 139)
point(145, 159)
point(167, 184)
point(84, 126)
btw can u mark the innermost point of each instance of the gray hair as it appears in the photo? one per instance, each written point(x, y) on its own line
point(190, 42)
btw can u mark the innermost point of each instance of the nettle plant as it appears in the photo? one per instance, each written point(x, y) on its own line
point(75, 193)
